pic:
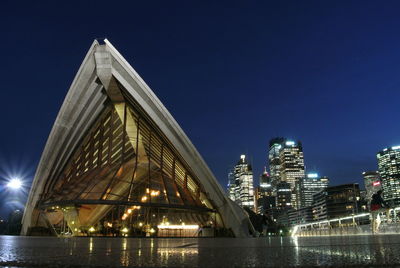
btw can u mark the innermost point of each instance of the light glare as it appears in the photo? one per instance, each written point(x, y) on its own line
point(14, 184)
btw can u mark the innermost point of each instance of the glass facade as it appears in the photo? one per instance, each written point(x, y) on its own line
point(125, 178)
point(389, 169)
point(308, 186)
point(372, 182)
point(292, 166)
point(243, 191)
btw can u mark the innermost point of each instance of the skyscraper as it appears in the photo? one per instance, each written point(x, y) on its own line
point(244, 191)
point(283, 196)
point(275, 146)
point(389, 169)
point(232, 187)
point(372, 182)
point(263, 194)
point(292, 167)
point(308, 186)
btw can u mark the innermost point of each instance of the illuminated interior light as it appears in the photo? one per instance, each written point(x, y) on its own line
point(147, 190)
point(155, 193)
point(144, 198)
point(140, 224)
point(186, 227)
point(91, 229)
point(129, 211)
point(125, 230)
point(152, 230)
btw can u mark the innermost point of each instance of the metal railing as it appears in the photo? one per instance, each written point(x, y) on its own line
point(347, 221)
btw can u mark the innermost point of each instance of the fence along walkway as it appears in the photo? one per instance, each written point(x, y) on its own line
point(350, 225)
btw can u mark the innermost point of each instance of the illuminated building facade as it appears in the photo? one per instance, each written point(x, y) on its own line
point(274, 161)
point(232, 187)
point(308, 186)
point(292, 166)
point(116, 163)
point(244, 191)
point(372, 182)
point(389, 169)
point(264, 198)
point(283, 196)
point(337, 201)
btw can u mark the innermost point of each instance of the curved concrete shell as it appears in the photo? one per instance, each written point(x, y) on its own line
point(117, 163)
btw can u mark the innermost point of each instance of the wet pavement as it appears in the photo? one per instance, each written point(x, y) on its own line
point(339, 251)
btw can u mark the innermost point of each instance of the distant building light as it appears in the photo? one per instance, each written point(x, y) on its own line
point(312, 175)
point(290, 143)
point(396, 147)
point(376, 183)
point(243, 157)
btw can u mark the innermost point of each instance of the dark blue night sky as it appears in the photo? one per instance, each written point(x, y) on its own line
point(234, 74)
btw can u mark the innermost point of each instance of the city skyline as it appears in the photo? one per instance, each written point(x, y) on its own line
point(314, 72)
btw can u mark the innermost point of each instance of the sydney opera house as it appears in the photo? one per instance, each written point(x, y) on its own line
point(116, 163)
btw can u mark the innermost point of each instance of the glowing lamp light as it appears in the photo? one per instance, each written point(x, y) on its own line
point(14, 184)
point(186, 227)
point(376, 183)
point(125, 230)
point(91, 229)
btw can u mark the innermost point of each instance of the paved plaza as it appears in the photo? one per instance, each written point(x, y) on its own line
point(344, 251)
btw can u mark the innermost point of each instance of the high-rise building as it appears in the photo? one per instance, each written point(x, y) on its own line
point(275, 146)
point(389, 169)
point(292, 167)
point(283, 196)
point(232, 187)
point(244, 191)
point(264, 198)
point(372, 182)
point(308, 186)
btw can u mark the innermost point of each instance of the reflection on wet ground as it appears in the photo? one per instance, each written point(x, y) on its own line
point(355, 251)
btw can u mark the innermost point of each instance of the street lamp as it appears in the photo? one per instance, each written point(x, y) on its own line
point(14, 184)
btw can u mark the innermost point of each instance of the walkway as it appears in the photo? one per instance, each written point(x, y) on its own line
point(357, 251)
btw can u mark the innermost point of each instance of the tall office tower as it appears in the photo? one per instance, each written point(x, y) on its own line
point(372, 182)
point(264, 199)
point(265, 181)
point(308, 186)
point(275, 146)
point(243, 175)
point(283, 196)
point(292, 166)
point(389, 169)
point(232, 187)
